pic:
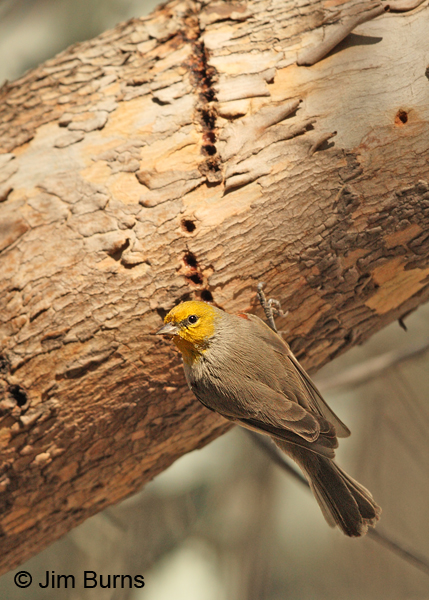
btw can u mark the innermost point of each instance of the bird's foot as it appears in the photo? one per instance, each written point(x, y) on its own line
point(272, 307)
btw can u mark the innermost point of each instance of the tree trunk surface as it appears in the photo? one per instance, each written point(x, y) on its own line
point(188, 155)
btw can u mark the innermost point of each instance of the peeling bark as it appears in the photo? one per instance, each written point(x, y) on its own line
point(182, 155)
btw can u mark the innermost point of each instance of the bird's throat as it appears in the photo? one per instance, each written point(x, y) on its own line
point(191, 352)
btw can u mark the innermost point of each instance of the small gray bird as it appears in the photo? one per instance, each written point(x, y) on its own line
point(238, 367)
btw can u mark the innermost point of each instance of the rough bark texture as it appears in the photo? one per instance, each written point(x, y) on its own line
point(187, 155)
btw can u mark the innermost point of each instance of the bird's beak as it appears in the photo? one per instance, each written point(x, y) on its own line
point(168, 329)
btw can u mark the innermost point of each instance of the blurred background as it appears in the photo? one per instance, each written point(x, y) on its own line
point(31, 31)
point(225, 522)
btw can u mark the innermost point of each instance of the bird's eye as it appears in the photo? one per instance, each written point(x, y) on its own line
point(192, 319)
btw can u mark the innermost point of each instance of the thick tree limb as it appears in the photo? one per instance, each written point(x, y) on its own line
point(169, 158)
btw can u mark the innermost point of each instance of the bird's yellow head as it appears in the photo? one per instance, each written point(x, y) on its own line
point(191, 324)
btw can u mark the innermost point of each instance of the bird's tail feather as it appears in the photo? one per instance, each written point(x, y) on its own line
point(344, 501)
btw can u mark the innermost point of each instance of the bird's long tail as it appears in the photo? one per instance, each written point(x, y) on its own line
point(344, 501)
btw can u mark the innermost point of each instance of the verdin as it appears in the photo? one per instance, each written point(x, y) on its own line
point(238, 367)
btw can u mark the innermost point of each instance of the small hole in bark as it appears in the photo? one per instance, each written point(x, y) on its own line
point(209, 150)
point(188, 225)
point(190, 260)
point(427, 72)
point(401, 117)
point(209, 119)
point(209, 137)
point(213, 165)
point(4, 365)
point(207, 92)
point(196, 278)
point(18, 394)
point(206, 296)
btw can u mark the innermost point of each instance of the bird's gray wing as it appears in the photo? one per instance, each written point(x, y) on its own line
point(256, 406)
point(311, 394)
